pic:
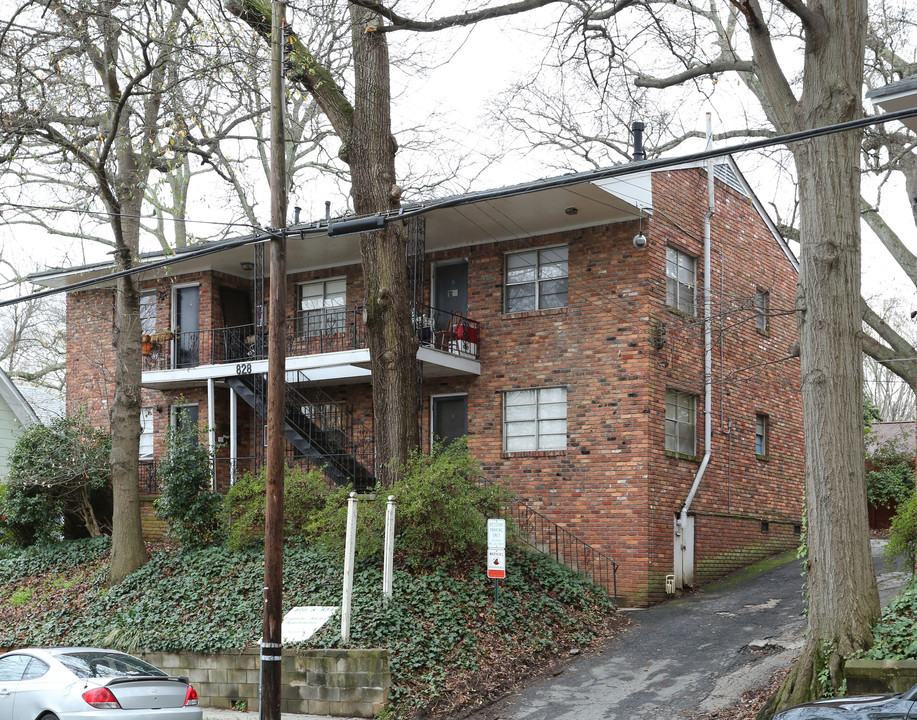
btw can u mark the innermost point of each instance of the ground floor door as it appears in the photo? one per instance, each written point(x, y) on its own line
point(450, 417)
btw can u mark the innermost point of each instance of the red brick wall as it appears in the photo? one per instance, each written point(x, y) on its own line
point(614, 485)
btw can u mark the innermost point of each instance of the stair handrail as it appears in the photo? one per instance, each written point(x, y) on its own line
point(595, 565)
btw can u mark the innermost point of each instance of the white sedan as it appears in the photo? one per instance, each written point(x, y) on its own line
point(89, 684)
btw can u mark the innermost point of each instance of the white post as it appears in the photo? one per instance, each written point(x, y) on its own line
point(350, 543)
point(388, 566)
point(233, 436)
point(211, 432)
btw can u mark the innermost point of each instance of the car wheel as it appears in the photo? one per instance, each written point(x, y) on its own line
point(49, 716)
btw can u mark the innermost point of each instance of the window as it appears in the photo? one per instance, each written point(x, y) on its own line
point(680, 422)
point(12, 667)
point(536, 280)
point(186, 417)
point(760, 434)
point(535, 420)
point(147, 313)
point(146, 433)
point(680, 280)
point(321, 306)
point(762, 306)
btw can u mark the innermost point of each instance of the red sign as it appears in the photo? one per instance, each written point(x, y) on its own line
point(496, 563)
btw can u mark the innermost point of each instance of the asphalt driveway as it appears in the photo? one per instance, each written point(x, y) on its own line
point(692, 655)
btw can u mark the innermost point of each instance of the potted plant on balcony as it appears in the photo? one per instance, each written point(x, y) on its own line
point(146, 344)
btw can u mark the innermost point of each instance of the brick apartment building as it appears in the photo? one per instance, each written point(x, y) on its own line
point(571, 356)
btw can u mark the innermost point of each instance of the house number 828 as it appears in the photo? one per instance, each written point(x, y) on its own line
point(244, 369)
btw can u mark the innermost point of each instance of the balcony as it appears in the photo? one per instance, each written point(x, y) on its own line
point(329, 344)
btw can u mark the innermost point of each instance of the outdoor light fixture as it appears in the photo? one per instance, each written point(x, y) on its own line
point(247, 266)
point(571, 210)
point(639, 240)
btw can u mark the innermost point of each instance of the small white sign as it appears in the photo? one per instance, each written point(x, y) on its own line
point(496, 563)
point(496, 533)
point(301, 623)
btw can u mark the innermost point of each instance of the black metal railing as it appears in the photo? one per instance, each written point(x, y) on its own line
point(311, 333)
point(549, 538)
point(149, 482)
point(447, 331)
point(320, 428)
point(330, 427)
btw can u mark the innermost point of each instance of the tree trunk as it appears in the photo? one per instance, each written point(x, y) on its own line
point(392, 342)
point(843, 599)
point(128, 553)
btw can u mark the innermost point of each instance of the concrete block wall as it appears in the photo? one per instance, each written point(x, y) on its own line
point(881, 677)
point(343, 683)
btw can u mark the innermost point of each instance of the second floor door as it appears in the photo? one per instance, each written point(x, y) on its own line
point(187, 308)
point(450, 292)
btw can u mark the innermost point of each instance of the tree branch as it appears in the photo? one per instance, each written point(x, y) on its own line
point(399, 22)
point(695, 72)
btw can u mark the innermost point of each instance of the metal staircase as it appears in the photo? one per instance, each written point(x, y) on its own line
point(320, 429)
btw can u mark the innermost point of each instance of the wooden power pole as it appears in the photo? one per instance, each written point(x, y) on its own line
point(273, 532)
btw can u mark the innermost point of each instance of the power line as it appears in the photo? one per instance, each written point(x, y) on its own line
point(357, 224)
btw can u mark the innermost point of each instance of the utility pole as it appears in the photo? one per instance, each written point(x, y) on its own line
point(271, 647)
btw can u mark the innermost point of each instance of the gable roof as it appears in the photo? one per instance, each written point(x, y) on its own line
point(21, 408)
point(900, 95)
point(883, 432)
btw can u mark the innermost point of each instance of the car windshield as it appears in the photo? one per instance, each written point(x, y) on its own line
point(106, 665)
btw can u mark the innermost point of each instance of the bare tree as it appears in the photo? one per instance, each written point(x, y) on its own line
point(892, 396)
point(654, 47)
point(83, 90)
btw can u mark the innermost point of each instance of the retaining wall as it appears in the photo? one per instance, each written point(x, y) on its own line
point(350, 683)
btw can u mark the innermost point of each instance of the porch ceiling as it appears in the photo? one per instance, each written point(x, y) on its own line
point(473, 220)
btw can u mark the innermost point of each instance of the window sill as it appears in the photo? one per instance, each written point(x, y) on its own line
point(682, 456)
point(763, 333)
point(681, 313)
point(533, 453)
point(534, 313)
point(762, 458)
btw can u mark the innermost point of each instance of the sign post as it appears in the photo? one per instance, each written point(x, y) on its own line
point(496, 552)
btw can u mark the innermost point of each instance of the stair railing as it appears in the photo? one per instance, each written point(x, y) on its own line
point(549, 538)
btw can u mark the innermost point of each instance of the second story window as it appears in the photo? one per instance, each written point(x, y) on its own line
point(680, 280)
point(680, 422)
point(147, 313)
point(322, 307)
point(760, 434)
point(536, 280)
point(762, 307)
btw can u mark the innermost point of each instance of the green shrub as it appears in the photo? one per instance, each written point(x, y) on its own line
point(441, 514)
point(59, 484)
point(890, 480)
point(304, 495)
point(191, 509)
point(902, 538)
point(893, 634)
point(442, 509)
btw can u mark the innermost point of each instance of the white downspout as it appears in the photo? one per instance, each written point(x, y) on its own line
point(685, 537)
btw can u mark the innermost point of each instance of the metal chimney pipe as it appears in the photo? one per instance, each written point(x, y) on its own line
point(327, 209)
point(637, 128)
point(296, 211)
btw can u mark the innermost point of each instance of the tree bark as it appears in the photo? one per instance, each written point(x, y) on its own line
point(843, 599)
point(392, 342)
point(368, 147)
